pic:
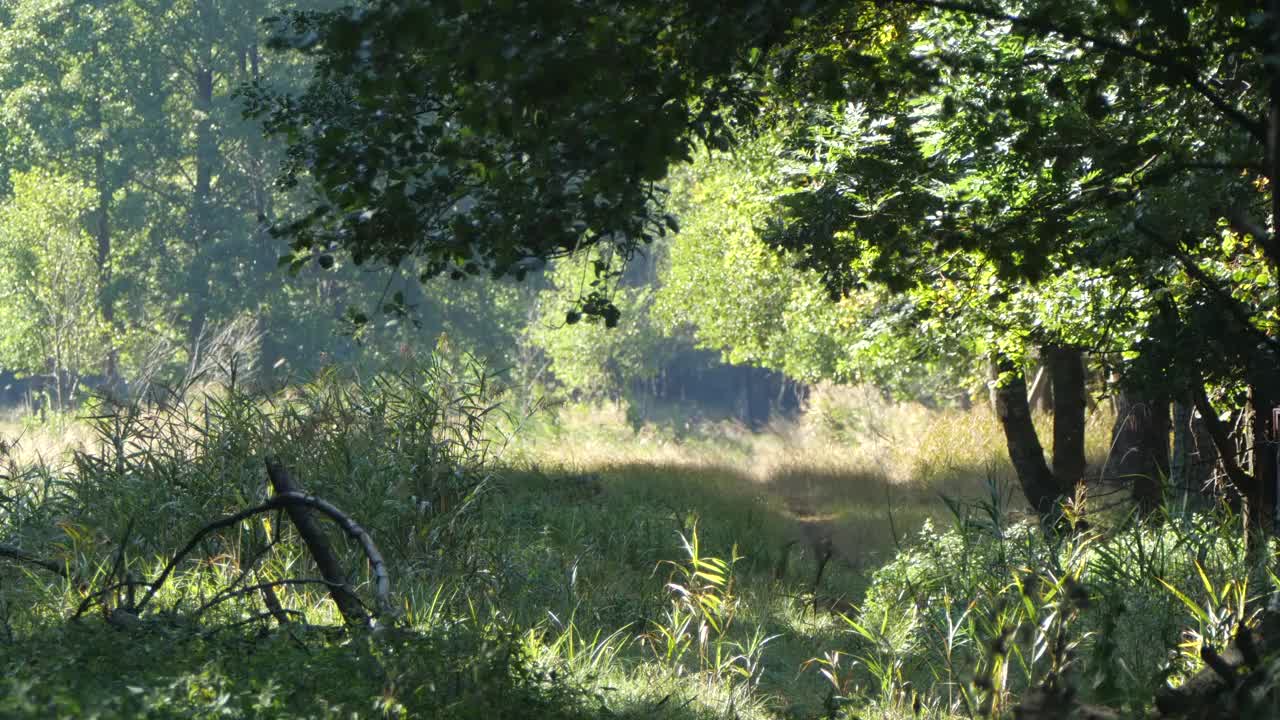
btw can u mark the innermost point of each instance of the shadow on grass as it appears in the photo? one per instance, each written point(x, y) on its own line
point(868, 516)
point(589, 544)
point(620, 521)
point(781, 522)
point(90, 669)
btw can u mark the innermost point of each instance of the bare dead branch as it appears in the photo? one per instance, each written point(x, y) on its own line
point(96, 595)
point(272, 602)
point(382, 582)
point(1240, 479)
point(327, 562)
point(232, 593)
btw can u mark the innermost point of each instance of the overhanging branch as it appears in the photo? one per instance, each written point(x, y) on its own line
point(1233, 306)
point(1044, 27)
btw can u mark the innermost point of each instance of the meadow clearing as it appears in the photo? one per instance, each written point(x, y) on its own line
point(860, 559)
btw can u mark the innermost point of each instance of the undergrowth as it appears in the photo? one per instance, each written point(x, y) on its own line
point(588, 570)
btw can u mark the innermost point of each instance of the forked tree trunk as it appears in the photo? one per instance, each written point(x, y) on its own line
point(1041, 488)
point(1040, 395)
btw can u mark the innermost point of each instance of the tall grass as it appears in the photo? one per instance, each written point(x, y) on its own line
point(870, 470)
point(867, 559)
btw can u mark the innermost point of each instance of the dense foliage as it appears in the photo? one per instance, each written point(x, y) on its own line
point(369, 244)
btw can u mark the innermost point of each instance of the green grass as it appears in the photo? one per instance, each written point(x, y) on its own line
point(585, 569)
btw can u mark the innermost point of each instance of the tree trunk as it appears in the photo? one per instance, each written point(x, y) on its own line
point(1040, 396)
point(201, 200)
point(344, 597)
point(1066, 372)
point(102, 234)
point(102, 230)
point(993, 395)
point(757, 382)
point(1191, 466)
point(1041, 488)
point(1140, 447)
point(1242, 483)
point(1264, 398)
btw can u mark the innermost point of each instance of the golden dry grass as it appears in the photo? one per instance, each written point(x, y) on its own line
point(856, 468)
point(29, 442)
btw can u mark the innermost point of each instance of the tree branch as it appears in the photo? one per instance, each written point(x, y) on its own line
point(382, 583)
point(233, 593)
point(313, 537)
point(1233, 306)
point(23, 556)
point(1044, 26)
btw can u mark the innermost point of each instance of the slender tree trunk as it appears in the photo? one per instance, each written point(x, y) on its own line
point(201, 200)
point(1272, 246)
point(1042, 389)
point(1066, 372)
point(1202, 472)
point(102, 233)
point(1264, 386)
point(1246, 490)
point(1264, 399)
point(1041, 488)
point(993, 395)
point(1186, 466)
point(261, 181)
point(757, 383)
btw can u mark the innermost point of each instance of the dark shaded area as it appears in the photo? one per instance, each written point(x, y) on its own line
point(751, 395)
point(101, 672)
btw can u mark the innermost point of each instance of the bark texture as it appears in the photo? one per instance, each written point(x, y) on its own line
point(1066, 370)
point(1264, 399)
point(1140, 446)
point(1039, 485)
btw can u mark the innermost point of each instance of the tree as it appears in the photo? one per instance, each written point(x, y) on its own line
point(1068, 138)
point(138, 100)
point(721, 283)
point(488, 141)
point(1029, 140)
point(49, 281)
point(76, 97)
point(586, 357)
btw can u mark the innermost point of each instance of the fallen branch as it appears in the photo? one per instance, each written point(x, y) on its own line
point(1224, 687)
point(326, 561)
point(251, 620)
point(233, 593)
point(98, 594)
point(23, 556)
point(382, 582)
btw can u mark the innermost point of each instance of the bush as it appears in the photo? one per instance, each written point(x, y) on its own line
point(972, 615)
